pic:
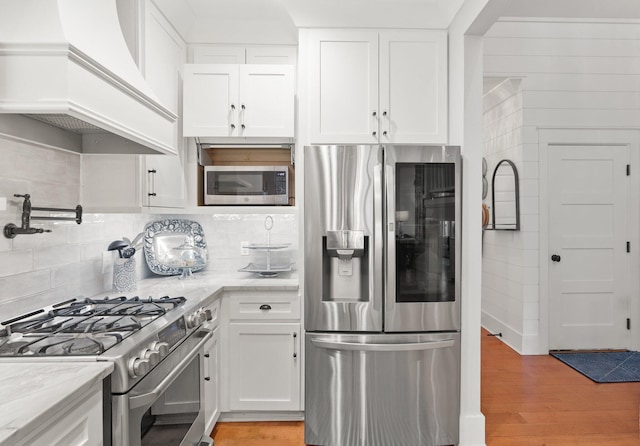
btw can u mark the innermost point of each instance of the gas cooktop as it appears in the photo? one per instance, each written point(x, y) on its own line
point(85, 327)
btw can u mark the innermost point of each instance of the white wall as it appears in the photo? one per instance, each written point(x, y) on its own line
point(41, 269)
point(574, 75)
point(509, 301)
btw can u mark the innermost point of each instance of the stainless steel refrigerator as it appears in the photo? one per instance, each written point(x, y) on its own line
point(382, 295)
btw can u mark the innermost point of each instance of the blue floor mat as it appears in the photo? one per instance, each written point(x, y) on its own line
point(604, 367)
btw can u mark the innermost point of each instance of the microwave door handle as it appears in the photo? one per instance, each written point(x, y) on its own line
point(147, 398)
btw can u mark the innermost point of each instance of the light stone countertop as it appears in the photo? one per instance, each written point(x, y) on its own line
point(31, 393)
point(205, 284)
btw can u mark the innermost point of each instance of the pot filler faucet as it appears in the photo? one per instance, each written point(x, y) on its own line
point(11, 230)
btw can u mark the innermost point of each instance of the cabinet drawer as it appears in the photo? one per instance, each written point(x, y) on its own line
point(264, 307)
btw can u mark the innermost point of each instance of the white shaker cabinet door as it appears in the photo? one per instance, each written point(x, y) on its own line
point(413, 87)
point(164, 182)
point(210, 100)
point(212, 381)
point(266, 100)
point(265, 364)
point(343, 82)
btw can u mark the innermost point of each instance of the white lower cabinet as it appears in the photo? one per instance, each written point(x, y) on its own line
point(264, 366)
point(261, 363)
point(80, 425)
point(212, 381)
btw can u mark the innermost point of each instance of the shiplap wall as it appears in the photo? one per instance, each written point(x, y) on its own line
point(574, 75)
point(502, 251)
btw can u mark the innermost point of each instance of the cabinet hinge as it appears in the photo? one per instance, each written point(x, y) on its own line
point(628, 324)
point(628, 169)
point(628, 246)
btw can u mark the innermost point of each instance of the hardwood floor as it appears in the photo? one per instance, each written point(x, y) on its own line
point(527, 401)
point(274, 433)
point(537, 400)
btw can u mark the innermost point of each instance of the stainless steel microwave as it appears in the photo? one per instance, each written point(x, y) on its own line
point(248, 185)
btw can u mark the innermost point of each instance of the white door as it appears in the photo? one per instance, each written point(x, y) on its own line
point(588, 233)
point(264, 366)
point(343, 82)
point(266, 100)
point(210, 100)
point(413, 86)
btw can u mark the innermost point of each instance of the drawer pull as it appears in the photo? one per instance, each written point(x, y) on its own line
point(265, 307)
point(207, 378)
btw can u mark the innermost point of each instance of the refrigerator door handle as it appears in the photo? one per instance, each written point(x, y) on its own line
point(386, 347)
point(376, 279)
point(390, 238)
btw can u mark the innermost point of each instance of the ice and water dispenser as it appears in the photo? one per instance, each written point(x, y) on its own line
point(345, 266)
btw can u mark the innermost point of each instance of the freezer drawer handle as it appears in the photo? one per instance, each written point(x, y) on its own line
point(265, 307)
point(403, 347)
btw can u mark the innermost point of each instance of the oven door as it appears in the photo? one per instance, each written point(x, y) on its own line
point(166, 407)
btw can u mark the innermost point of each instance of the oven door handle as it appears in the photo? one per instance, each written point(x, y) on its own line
point(147, 398)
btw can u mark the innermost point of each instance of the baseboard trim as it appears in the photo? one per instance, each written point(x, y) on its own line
point(261, 416)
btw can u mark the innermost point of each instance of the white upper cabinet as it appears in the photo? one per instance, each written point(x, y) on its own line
point(343, 78)
point(239, 54)
point(266, 100)
point(377, 87)
point(137, 182)
point(238, 100)
point(413, 87)
point(217, 54)
point(210, 99)
point(164, 53)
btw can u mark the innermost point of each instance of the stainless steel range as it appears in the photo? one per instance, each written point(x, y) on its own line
point(156, 346)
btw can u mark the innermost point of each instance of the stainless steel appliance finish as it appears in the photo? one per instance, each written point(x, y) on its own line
point(155, 345)
point(382, 390)
point(422, 260)
point(165, 407)
point(250, 185)
point(382, 295)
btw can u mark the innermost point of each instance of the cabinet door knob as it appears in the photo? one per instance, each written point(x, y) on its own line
point(151, 170)
point(374, 114)
point(265, 307)
point(207, 378)
point(555, 258)
point(374, 133)
point(233, 126)
point(152, 194)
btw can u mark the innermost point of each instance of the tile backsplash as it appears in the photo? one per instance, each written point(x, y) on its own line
point(71, 261)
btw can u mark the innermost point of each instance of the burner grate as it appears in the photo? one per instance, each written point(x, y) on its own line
point(86, 327)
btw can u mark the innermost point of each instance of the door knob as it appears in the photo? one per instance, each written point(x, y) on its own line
point(555, 258)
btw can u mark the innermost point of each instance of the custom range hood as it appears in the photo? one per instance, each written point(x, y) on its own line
point(67, 80)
